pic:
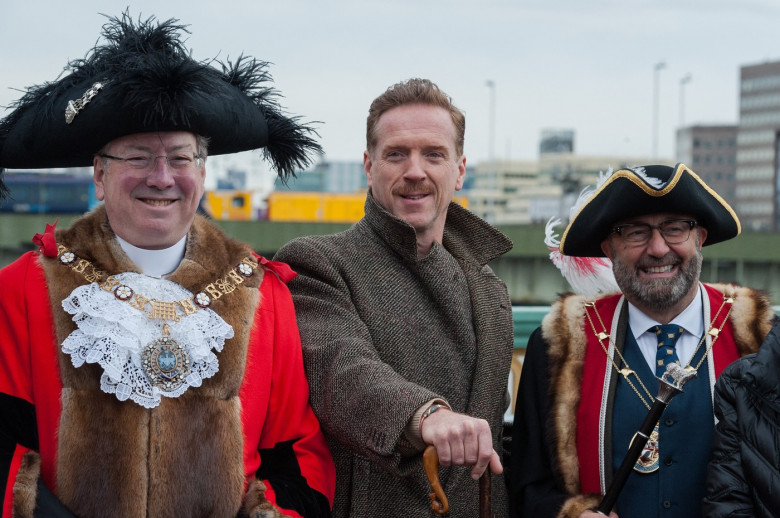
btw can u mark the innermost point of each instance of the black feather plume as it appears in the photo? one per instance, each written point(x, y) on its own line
point(151, 83)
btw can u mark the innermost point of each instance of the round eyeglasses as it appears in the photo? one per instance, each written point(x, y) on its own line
point(674, 231)
point(146, 163)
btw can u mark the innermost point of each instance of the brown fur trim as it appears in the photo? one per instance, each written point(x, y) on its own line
point(563, 329)
point(26, 486)
point(256, 505)
point(751, 316)
point(168, 459)
point(575, 505)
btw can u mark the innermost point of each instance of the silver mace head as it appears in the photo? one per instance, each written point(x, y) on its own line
point(672, 381)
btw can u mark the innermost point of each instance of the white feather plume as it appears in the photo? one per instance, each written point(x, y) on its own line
point(588, 276)
point(652, 181)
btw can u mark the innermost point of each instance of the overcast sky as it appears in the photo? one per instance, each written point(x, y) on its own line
point(584, 65)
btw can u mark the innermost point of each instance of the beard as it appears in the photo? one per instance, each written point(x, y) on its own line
point(660, 294)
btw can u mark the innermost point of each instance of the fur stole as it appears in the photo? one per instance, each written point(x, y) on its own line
point(183, 457)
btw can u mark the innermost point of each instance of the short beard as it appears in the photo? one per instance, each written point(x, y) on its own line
point(659, 294)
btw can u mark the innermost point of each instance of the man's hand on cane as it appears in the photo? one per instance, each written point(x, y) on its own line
point(461, 440)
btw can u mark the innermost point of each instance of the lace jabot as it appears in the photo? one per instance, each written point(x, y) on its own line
point(114, 334)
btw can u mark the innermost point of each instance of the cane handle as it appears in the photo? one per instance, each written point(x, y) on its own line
point(439, 502)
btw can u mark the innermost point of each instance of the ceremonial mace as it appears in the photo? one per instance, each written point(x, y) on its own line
point(669, 385)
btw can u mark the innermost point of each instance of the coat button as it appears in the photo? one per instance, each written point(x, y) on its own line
point(668, 461)
point(669, 421)
point(667, 504)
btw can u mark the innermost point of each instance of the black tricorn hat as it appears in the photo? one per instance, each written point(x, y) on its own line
point(645, 190)
point(143, 79)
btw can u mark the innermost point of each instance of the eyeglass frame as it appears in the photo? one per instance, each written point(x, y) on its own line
point(153, 161)
point(617, 229)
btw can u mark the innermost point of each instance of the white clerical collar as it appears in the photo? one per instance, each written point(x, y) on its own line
point(155, 263)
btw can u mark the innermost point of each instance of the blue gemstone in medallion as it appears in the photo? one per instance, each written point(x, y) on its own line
point(166, 361)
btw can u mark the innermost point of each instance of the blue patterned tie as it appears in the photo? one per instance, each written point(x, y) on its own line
point(666, 354)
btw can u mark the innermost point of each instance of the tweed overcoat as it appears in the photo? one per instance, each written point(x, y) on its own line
point(383, 333)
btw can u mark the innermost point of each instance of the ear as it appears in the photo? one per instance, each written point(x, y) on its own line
point(367, 167)
point(461, 173)
point(702, 236)
point(606, 247)
point(98, 175)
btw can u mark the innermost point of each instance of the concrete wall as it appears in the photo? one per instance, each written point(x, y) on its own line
point(752, 259)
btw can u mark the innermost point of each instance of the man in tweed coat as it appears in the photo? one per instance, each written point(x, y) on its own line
point(407, 333)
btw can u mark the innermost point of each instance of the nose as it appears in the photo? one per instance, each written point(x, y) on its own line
point(416, 168)
point(160, 176)
point(657, 245)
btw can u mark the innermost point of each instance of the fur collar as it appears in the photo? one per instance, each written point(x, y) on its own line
point(120, 459)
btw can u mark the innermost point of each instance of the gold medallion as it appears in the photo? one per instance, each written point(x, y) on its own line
point(648, 460)
point(166, 363)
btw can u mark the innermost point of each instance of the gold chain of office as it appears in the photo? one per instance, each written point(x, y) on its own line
point(160, 309)
point(165, 361)
point(714, 330)
point(648, 461)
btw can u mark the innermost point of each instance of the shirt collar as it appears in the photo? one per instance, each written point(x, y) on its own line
point(690, 318)
point(155, 263)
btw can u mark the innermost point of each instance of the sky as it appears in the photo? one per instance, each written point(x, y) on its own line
point(587, 66)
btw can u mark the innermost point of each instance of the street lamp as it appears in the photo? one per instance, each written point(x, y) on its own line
point(683, 81)
point(491, 152)
point(658, 67)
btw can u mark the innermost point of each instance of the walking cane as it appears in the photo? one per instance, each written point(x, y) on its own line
point(669, 385)
point(439, 502)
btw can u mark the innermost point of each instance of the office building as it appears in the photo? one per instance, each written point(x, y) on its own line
point(758, 147)
point(711, 152)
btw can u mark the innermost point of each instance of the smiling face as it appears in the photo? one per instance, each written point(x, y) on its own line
point(658, 278)
point(413, 170)
point(154, 208)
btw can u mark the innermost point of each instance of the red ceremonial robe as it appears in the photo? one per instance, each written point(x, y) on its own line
point(126, 460)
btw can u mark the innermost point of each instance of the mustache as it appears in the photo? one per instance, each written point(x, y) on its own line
point(418, 187)
point(649, 262)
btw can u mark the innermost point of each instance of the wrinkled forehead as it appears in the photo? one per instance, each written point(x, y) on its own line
point(417, 122)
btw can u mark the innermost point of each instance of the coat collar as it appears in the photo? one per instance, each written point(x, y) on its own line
point(466, 236)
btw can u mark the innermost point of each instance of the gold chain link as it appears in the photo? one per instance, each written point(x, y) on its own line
point(627, 371)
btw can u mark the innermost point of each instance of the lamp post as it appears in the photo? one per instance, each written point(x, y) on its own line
point(683, 81)
point(658, 67)
point(491, 153)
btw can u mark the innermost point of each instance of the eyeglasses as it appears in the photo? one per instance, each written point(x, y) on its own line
point(146, 163)
point(674, 231)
